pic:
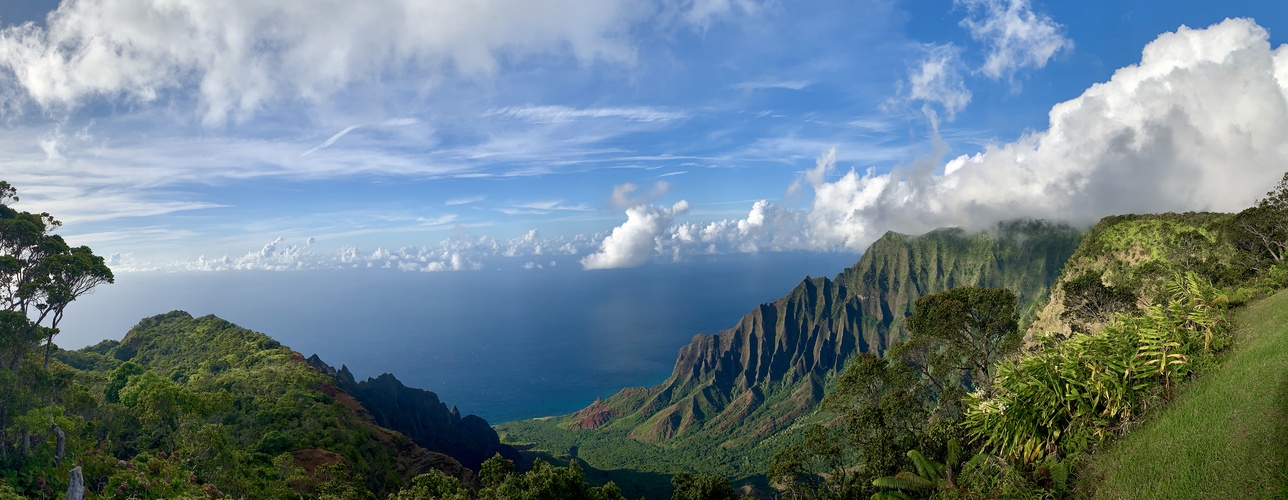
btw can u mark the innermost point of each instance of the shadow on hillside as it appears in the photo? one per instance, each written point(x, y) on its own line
point(633, 483)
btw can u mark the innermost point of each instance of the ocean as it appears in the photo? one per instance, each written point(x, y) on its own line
point(502, 344)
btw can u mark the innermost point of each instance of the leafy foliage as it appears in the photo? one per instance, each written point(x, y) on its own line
point(959, 334)
point(1089, 303)
point(543, 482)
point(1262, 230)
point(690, 486)
point(1074, 394)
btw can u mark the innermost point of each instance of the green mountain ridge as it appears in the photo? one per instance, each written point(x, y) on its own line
point(733, 395)
point(267, 398)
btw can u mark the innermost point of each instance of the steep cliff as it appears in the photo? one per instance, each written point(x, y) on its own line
point(419, 415)
point(746, 384)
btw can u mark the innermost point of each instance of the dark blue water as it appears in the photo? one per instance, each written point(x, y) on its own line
point(504, 345)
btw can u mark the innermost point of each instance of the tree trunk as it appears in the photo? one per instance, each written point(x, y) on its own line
point(53, 330)
point(76, 488)
point(59, 447)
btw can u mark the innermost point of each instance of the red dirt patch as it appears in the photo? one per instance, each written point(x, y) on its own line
point(312, 458)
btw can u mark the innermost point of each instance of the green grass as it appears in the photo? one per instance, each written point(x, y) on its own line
point(1225, 435)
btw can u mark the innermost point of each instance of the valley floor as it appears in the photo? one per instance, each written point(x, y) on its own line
point(1225, 436)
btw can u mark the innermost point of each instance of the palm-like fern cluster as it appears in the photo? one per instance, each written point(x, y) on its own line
point(1067, 396)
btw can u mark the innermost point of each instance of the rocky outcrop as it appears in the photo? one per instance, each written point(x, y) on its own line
point(419, 415)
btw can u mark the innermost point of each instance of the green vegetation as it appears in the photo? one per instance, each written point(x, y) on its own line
point(911, 399)
point(737, 398)
point(543, 482)
point(1225, 436)
point(1069, 396)
point(936, 367)
point(179, 408)
point(1144, 305)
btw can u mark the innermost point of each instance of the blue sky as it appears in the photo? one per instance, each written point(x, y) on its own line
point(455, 135)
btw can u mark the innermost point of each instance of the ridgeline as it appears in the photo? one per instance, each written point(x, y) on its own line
point(736, 397)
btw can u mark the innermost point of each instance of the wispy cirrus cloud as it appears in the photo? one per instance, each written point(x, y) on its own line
point(542, 208)
point(565, 114)
point(234, 58)
point(464, 201)
point(937, 78)
point(1016, 36)
point(773, 84)
point(396, 122)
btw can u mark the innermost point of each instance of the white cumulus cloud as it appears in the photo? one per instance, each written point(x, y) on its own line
point(1198, 124)
point(636, 240)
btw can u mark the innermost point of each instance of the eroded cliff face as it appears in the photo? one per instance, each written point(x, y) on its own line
point(420, 415)
point(753, 380)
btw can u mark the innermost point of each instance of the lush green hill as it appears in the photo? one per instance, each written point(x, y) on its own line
point(736, 397)
point(228, 407)
point(1225, 436)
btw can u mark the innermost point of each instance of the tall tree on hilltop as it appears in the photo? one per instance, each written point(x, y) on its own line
point(39, 276)
point(64, 277)
point(1263, 229)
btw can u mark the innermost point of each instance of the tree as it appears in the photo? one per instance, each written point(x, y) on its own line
point(1089, 303)
point(433, 485)
point(689, 486)
point(815, 468)
point(17, 335)
point(64, 277)
point(546, 481)
point(495, 471)
point(884, 410)
point(39, 270)
point(964, 331)
point(1264, 228)
point(39, 276)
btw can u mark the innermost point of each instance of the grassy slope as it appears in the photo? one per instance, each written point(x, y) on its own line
point(1226, 435)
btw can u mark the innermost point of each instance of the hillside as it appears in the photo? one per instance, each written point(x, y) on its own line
point(248, 399)
point(1224, 436)
point(735, 397)
point(419, 415)
point(1123, 259)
